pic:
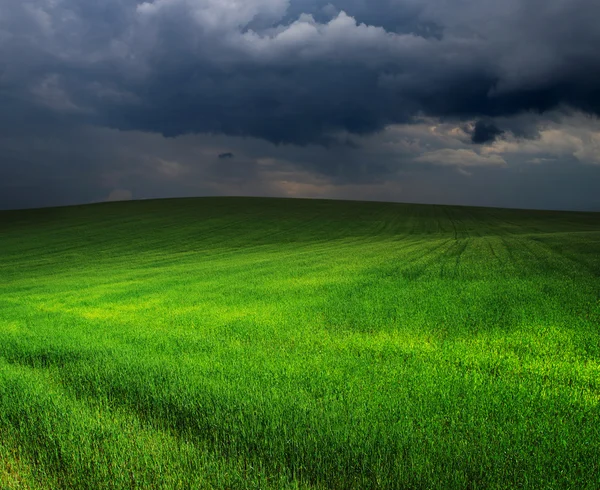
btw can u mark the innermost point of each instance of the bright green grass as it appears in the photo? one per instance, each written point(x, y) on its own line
point(267, 343)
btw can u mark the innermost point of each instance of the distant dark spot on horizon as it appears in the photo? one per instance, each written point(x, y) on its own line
point(226, 155)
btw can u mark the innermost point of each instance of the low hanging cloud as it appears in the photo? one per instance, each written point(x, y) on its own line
point(404, 162)
point(296, 71)
point(460, 158)
point(574, 138)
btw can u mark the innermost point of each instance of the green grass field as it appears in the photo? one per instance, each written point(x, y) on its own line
point(273, 343)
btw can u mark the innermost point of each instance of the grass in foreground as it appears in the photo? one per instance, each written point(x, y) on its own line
point(262, 343)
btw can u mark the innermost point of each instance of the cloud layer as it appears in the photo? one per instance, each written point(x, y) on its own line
point(461, 101)
point(295, 71)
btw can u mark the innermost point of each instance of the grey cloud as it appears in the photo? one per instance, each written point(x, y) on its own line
point(297, 71)
point(430, 161)
point(378, 96)
point(460, 158)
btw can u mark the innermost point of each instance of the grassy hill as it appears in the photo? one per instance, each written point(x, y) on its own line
point(273, 343)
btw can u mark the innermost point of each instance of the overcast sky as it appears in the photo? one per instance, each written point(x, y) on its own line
point(477, 102)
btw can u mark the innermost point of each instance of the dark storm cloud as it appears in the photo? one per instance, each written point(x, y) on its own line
point(295, 71)
point(382, 99)
point(484, 132)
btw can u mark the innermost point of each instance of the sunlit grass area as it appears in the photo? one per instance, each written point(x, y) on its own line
point(271, 343)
